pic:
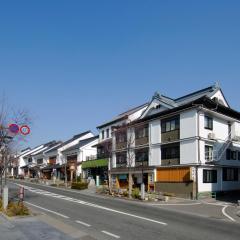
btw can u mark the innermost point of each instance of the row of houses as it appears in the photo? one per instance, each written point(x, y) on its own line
point(185, 146)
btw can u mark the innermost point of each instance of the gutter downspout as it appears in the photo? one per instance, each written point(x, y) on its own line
point(198, 137)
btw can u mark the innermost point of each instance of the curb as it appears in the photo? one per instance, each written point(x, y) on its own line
point(238, 213)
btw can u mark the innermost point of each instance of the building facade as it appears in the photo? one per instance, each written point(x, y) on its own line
point(185, 146)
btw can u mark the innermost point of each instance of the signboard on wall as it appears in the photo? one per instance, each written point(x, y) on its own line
point(193, 174)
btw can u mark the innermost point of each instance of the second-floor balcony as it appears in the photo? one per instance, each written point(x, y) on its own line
point(141, 141)
point(171, 161)
point(121, 145)
point(170, 136)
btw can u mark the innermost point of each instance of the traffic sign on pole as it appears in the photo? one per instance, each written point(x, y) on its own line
point(13, 128)
point(25, 130)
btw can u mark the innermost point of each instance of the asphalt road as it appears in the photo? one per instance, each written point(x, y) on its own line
point(104, 218)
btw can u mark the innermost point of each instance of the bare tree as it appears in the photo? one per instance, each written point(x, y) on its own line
point(10, 141)
point(125, 141)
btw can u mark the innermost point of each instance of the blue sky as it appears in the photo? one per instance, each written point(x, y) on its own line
point(76, 64)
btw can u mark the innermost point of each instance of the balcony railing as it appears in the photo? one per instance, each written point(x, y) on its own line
point(121, 145)
point(141, 163)
point(170, 136)
point(141, 141)
point(172, 161)
point(121, 165)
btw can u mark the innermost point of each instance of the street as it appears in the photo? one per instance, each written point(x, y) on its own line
point(104, 218)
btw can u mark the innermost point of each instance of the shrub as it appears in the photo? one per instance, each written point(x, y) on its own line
point(17, 209)
point(79, 179)
point(125, 193)
point(136, 193)
point(53, 185)
point(0, 204)
point(79, 185)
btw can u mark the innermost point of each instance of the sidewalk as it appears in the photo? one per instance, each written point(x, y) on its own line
point(41, 227)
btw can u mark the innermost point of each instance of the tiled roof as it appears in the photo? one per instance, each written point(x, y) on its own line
point(81, 143)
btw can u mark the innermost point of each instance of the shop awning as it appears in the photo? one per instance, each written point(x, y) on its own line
point(95, 163)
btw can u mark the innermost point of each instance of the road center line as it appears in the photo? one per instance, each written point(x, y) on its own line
point(47, 210)
point(111, 234)
point(83, 223)
point(225, 214)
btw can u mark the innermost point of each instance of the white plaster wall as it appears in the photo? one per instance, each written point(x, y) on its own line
point(220, 185)
point(154, 156)
point(113, 160)
point(220, 127)
point(188, 124)
point(209, 187)
point(61, 157)
point(219, 95)
point(155, 132)
point(188, 151)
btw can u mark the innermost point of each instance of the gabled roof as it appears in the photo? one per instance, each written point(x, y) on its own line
point(75, 137)
point(123, 115)
point(81, 143)
point(198, 94)
point(54, 147)
point(204, 101)
point(45, 147)
point(59, 145)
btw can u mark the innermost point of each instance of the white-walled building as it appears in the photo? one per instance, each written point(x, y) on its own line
point(186, 146)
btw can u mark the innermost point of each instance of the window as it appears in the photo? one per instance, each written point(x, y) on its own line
point(170, 125)
point(121, 137)
point(208, 153)
point(121, 158)
point(209, 176)
point(228, 154)
point(107, 133)
point(141, 155)
point(232, 155)
point(208, 123)
point(141, 132)
point(39, 161)
point(230, 174)
point(102, 134)
point(171, 152)
point(30, 160)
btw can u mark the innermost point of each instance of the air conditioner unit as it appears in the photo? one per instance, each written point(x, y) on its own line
point(211, 136)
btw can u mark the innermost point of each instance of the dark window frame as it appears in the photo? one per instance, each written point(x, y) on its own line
point(40, 161)
point(208, 122)
point(142, 155)
point(121, 137)
point(207, 156)
point(230, 174)
point(121, 158)
point(141, 132)
point(170, 152)
point(107, 133)
point(103, 134)
point(209, 176)
point(169, 125)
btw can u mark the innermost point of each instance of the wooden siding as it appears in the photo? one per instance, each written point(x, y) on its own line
point(173, 174)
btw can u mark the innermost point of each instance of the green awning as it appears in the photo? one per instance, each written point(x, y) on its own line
point(95, 163)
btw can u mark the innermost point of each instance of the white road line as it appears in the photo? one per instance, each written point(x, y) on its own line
point(225, 214)
point(111, 234)
point(83, 223)
point(47, 210)
point(106, 208)
point(174, 204)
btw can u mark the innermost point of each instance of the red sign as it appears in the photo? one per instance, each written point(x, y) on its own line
point(13, 128)
point(25, 130)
